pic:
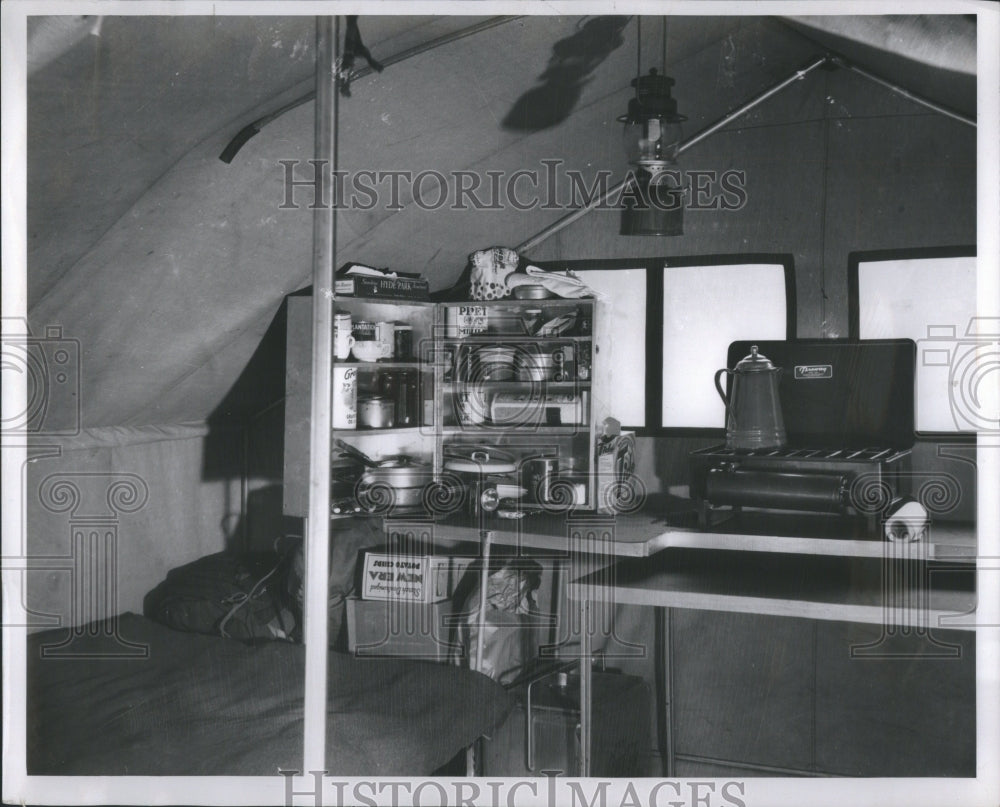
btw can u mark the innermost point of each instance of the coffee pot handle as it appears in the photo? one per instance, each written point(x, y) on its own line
point(719, 389)
point(722, 392)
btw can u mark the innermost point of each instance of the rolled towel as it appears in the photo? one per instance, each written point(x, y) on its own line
point(906, 521)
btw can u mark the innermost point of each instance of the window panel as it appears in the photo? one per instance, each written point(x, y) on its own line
point(932, 300)
point(624, 294)
point(705, 308)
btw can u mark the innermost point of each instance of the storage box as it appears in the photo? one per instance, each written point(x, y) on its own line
point(400, 629)
point(409, 578)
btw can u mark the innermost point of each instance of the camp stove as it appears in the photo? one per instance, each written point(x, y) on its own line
point(848, 412)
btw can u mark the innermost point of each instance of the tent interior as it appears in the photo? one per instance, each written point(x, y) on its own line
point(165, 270)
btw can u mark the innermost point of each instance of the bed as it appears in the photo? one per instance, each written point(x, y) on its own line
point(204, 705)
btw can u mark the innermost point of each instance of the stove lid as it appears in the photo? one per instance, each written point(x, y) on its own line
point(842, 393)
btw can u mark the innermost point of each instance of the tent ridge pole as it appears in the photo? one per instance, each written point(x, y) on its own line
point(317, 532)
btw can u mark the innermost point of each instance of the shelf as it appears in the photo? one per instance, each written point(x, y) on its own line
point(516, 430)
point(394, 430)
point(513, 301)
point(501, 338)
point(516, 386)
point(385, 365)
point(347, 299)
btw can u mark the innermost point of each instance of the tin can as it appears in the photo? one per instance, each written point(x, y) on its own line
point(363, 330)
point(466, 320)
point(345, 397)
point(385, 335)
point(538, 475)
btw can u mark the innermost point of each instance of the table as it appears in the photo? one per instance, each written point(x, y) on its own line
point(793, 565)
point(793, 576)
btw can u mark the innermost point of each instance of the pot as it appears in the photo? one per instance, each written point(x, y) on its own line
point(411, 475)
point(395, 483)
point(753, 408)
point(376, 412)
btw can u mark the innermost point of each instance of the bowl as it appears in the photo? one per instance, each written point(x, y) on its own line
point(531, 292)
point(370, 350)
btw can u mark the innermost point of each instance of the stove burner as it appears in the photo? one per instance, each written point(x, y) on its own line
point(841, 481)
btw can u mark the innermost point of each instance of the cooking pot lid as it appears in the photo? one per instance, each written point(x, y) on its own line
point(756, 362)
point(479, 459)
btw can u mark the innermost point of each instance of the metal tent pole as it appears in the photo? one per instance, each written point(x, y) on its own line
point(317, 532)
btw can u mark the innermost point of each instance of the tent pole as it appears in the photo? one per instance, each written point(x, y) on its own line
point(317, 532)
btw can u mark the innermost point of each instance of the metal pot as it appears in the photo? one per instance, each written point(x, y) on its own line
point(753, 408)
point(376, 412)
point(395, 483)
point(411, 475)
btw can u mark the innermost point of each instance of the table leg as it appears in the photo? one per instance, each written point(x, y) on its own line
point(664, 691)
point(484, 578)
point(586, 683)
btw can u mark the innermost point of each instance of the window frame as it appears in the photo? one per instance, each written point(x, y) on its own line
point(655, 269)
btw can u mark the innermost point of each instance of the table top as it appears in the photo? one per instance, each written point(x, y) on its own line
point(850, 589)
point(652, 530)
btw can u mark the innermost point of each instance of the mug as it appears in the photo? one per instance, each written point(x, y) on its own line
point(343, 340)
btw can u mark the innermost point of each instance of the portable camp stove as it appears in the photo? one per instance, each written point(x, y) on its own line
point(848, 411)
point(848, 482)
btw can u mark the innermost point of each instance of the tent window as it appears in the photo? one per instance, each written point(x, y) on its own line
point(705, 308)
point(929, 296)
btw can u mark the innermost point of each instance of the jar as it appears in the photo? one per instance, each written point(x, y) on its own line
point(403, 335)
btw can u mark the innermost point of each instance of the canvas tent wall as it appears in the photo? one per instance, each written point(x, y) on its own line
point(168, 266)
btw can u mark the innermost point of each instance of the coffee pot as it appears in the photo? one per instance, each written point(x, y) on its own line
point(753, 409)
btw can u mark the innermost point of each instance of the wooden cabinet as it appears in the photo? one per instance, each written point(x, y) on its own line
point(518, 379)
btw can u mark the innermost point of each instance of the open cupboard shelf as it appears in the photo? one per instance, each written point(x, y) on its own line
point(460, 345)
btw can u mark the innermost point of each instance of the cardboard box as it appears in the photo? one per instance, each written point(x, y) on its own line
point(400, 629)
point(409, 578)
point(387, 288)
point(615, 470)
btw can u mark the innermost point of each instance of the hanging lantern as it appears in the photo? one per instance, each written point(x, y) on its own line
point(653, 130)
point(652, 137)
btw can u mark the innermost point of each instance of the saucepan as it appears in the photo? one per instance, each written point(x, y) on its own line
point(397, 481)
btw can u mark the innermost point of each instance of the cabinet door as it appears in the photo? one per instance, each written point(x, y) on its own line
point(742, 688)
point(910, 711)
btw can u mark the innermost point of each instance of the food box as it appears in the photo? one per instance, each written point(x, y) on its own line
point(617, 488)
point(409, 578)
point(400, 629)
point(400, 287)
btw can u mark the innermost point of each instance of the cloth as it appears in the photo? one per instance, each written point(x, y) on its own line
point(563, 284)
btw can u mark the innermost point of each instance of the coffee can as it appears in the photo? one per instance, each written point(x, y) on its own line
point(345, 397)
point(363, 330)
